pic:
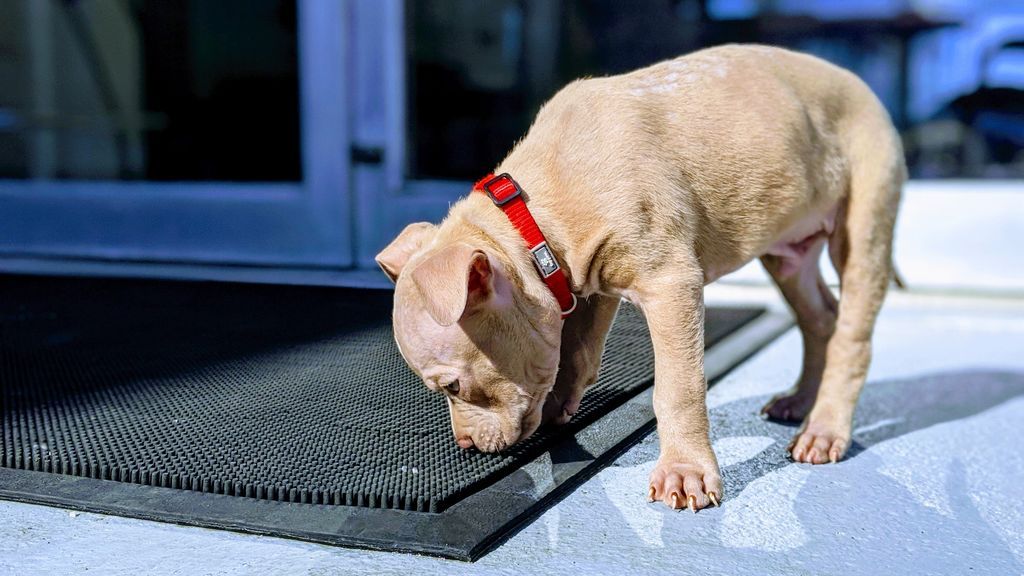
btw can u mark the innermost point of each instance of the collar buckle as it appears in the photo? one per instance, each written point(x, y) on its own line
point(501, 189)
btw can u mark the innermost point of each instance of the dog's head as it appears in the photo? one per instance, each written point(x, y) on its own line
point(464, 324)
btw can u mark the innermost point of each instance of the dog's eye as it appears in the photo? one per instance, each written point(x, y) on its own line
point(452, 387)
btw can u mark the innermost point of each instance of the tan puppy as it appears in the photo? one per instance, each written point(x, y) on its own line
point(648, 186)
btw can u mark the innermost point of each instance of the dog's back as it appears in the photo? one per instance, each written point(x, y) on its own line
point(779, 130)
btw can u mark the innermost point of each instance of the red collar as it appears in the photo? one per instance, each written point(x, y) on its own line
point(508, 196)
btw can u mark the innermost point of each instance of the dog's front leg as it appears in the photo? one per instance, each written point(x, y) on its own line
point(583, 338)
point(686, 474)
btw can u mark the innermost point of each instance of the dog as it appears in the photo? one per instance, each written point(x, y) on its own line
point(646, 187)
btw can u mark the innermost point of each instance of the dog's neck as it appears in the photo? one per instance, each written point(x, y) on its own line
point(478, 212)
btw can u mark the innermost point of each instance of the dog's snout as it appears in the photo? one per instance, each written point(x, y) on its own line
point(482, 440)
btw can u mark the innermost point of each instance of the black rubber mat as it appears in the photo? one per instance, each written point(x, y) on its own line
point(286, 394)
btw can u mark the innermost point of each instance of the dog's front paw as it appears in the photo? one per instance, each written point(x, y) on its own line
point(564, 399)
point(559, 409)
point(820, 440)
point(684, 484)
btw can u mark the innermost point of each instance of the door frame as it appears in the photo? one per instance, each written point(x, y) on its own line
point(306, 223)
point(385, 199)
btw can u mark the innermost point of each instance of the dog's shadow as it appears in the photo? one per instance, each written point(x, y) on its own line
point(887, 410)
point(764, 521)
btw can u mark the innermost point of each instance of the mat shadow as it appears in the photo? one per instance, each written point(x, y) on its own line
point(87, 335)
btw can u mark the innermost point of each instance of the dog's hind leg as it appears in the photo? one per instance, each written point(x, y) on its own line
point(815, 309)
point(861, 250)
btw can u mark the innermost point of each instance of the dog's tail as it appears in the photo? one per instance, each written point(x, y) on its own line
point(897, 278)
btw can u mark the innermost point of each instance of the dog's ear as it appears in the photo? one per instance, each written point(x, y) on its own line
point(393, 258)
point(454, 282)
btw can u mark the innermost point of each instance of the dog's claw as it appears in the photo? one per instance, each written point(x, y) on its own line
point(675, 501)
point(650, 494)
point(713, 498)
point(692, 501)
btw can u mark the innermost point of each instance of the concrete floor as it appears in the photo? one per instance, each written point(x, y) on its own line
point(932, 485)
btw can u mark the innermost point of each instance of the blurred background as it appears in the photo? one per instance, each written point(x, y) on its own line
point(301, 135)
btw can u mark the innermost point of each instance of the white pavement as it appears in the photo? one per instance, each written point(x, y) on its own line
point(933, 484)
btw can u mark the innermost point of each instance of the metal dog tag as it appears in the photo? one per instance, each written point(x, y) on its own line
point(546, 263)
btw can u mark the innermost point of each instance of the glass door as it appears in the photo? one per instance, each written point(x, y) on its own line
point(444, 88)
point(175, 131)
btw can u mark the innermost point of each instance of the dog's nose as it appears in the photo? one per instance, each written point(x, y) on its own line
point(464, 442)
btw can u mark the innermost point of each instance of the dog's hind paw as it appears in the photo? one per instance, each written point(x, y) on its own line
point(788, 407)
point(818, 444)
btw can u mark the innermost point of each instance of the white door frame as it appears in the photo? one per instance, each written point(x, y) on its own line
point(305, 223)
point(385, 199)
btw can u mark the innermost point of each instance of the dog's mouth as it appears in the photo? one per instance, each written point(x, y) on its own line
point(499, 440)
point(529, 426)
point(498, 430)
